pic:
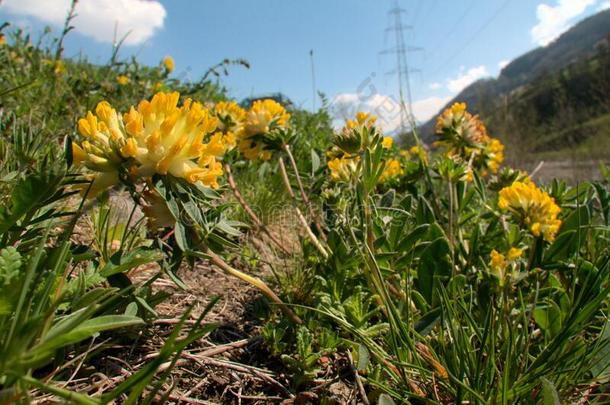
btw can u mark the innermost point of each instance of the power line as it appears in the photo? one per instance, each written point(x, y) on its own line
point(433, 2)
point(473, 37)
point(459, 21)
point(418, 8)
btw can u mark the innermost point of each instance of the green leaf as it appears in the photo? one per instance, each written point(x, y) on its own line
point(132, 309)
point(180, 235)
point(86, 330)
point(579, 218)
point(409, 241)
point(548, 317)
point(27, 196)
point(561, 247)
point(71, 397)
point(549, 393)
point(92, 297)
point(601, 361)
point(426, 323)
point(10, 263)
point(68, 151)
point(388, 199)
point(434, 263)
point(315, 162)
point(138, 257)
point(363, 357)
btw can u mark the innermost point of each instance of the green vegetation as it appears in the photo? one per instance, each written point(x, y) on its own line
point(404, 276)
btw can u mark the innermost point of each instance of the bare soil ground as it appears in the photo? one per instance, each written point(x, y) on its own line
point(231, 365)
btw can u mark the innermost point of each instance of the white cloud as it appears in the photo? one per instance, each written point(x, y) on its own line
point(138, 19)
point(554, 20)
point(604, 6)
point(503, 63)
point(460, 82)
point(386, 108)
point(435, 86)
point(429, 107)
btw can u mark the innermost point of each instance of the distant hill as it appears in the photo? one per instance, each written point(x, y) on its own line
point(552, 89)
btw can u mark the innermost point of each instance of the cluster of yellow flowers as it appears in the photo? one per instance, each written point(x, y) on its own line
point(342, 168)
point(391, 170)
point(354, 137)
point(467, 140)
point(499, 263)
point(532, 207)
point(168, 62)
point(264, 118)
point(415, 152)
point(231, 119)
point(156, 137)
point(363, 119)
point(358, 134)
point(122, 80)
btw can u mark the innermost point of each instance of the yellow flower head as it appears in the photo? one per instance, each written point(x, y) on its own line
point(362, 119)
point(231, 119)
point(534, 208)
point(59, 68)
point(165, 138)
point(168, 62)
point(514, 253)
point(2, 39)
point(122, 80)
point(419, 152)
point(466, 139)
point(230, 116)
point(265, 117)
point(465, 127)
point(157, 137)
point(102, 140)
point(499, 263)
point(387, 142)
point(391, 170)
point(360, 133)
point(494, 154)
point(343, 168)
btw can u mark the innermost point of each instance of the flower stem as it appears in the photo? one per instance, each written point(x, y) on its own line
point(257, 222)
point(256, 282)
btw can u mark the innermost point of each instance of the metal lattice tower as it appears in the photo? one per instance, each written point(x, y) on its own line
point(407, 119)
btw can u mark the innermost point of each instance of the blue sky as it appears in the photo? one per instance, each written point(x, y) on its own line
point(462, 40)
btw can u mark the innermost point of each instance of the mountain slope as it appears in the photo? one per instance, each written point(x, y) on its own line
point(581, 42)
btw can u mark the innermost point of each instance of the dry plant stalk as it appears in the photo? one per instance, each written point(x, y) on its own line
point(312, 212)
point(302, 219)
point(257, 222)
point(258, 283)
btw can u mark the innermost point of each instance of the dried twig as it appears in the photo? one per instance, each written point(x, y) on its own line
point(257, 222)
point(67, 28)
point(537, 169)
point(188, 400)
point(256, 282)
point(306, 199)
point(304, 223)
